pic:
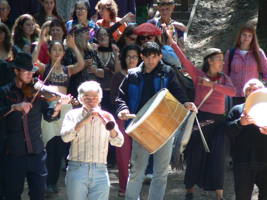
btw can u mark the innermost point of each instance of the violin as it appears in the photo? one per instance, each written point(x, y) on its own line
point(37, 89)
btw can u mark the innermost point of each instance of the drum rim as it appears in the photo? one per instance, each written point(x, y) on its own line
point(248, 107)
point(160, 94)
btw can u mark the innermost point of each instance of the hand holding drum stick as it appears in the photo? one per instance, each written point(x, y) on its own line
point(125, 115)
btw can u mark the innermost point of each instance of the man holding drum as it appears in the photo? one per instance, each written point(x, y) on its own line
point(137, 88)
point(249, 149)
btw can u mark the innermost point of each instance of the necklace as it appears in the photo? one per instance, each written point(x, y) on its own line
point(105, 58)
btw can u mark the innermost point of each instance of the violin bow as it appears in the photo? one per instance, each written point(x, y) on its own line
point(43, 82)
point(38, 91)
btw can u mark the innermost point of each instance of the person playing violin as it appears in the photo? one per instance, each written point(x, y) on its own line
point(24, 149)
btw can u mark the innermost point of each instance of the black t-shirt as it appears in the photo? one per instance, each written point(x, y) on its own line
point(148, 90)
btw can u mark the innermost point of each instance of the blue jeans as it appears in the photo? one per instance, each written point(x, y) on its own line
point(87, 181)
point(139, 162)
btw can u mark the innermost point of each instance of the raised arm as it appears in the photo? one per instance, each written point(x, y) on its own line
point(79, 66)
point(117, 63)
point(36, 52)
point(187, 64)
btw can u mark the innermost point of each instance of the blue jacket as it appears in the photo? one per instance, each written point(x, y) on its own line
point(130, 91)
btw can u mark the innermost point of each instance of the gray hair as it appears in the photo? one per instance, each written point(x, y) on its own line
point(252, 81)
point(89, 86)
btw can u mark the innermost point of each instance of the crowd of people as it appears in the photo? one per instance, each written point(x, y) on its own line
point(70, 84)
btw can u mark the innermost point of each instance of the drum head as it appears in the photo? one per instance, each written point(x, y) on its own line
point(146, 110)
point(256, 106)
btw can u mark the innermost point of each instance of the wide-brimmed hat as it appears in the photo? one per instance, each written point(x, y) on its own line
point(147, 28)
point(23, 61)
point(210, 51)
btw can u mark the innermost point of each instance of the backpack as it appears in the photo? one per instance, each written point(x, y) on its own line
point(170, 58)
point(231, 56)
point(187, 84)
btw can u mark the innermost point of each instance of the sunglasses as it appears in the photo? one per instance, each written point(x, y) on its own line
point(149, 37)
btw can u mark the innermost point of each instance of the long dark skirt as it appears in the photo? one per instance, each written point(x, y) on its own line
point(206, 169)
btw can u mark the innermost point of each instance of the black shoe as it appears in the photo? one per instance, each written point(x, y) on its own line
point(52, 189)
point(189, 196)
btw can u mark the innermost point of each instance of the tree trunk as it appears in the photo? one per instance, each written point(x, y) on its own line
point(262, 24)
point(185, 5)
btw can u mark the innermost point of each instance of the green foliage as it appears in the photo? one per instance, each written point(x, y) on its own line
point(263, 44)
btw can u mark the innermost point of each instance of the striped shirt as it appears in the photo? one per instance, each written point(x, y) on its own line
point(90, 143)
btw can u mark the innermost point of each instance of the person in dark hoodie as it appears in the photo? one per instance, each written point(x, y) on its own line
point(23, 148)
point(136, 89)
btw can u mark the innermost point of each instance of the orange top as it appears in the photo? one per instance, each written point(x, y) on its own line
point(106, 24)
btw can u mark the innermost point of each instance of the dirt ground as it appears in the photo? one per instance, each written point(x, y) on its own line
point(175, 188)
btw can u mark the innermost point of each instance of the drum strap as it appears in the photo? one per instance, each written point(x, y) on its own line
point(205, 98)
point(183, 135)
point(206, 147)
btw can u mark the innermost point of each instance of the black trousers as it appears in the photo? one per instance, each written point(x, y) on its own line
point(31, 167)
point(245, 177)
point(2, 185)
point(56, 150)
point(206, 169)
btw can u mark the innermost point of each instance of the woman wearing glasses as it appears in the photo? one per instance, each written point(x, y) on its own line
point(130, 58)
point(81, 15)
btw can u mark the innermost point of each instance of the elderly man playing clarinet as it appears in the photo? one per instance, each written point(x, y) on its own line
point(89, 129)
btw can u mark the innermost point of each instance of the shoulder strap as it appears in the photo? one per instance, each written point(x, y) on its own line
point(231, 56)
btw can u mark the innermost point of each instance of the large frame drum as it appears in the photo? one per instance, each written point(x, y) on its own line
point(157, 121)
point(256, 106)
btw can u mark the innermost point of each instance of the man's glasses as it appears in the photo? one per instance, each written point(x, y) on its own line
point(132, 38)
point(132, 57)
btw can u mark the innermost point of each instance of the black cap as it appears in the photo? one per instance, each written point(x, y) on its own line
point(24, 61)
